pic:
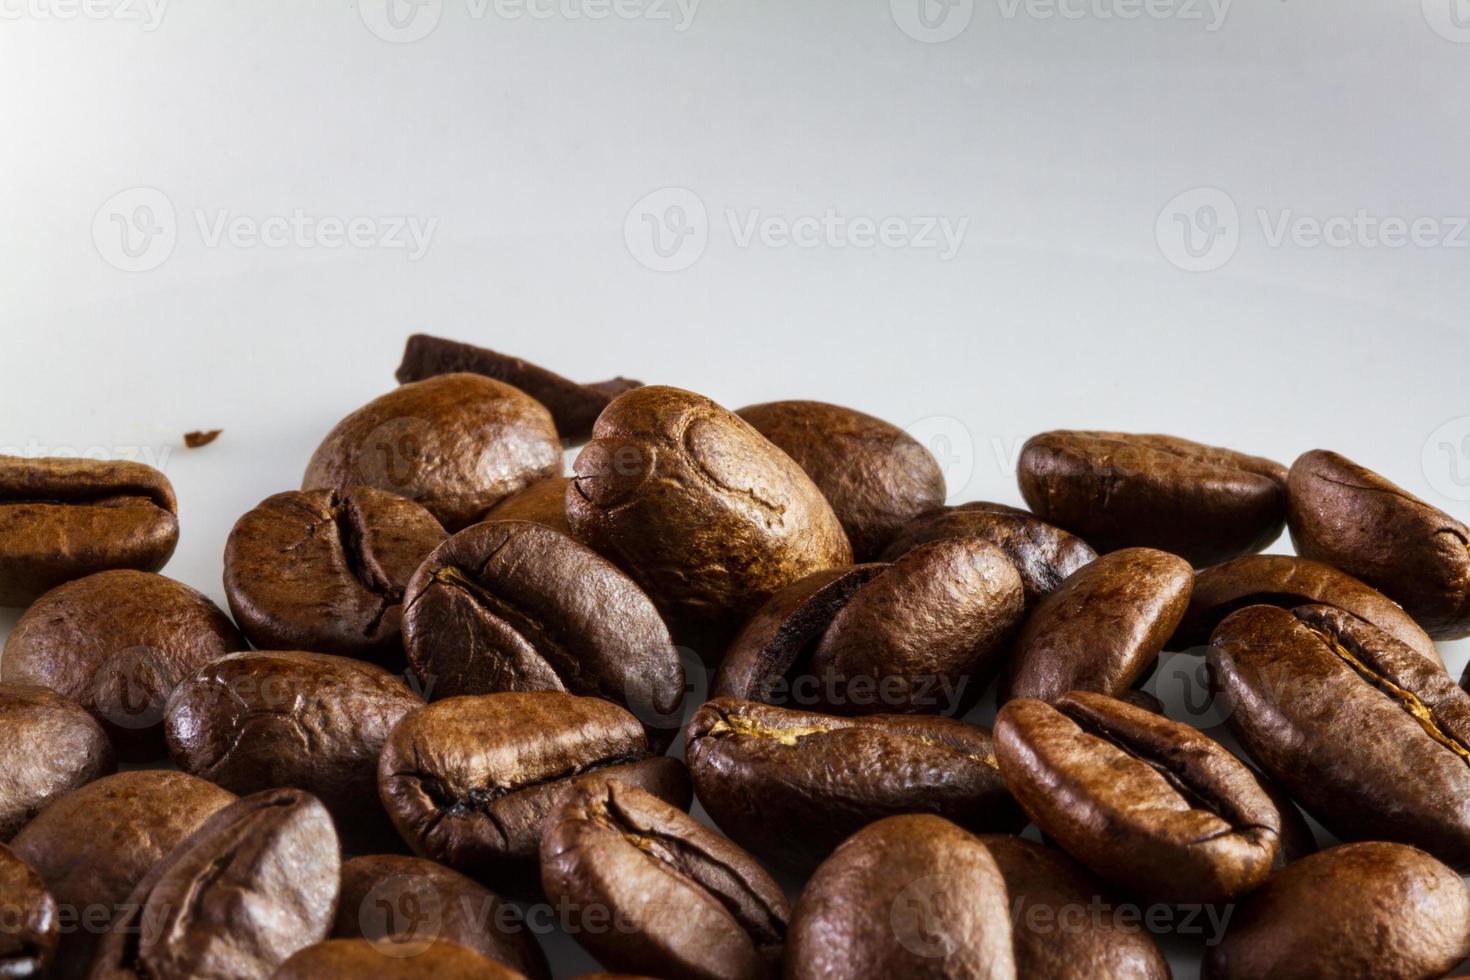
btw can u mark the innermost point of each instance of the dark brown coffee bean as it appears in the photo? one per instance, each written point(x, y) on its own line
point(49, 746)
point(1103, 628)
point(700, 509)
point(93, 845)
point(417, 903)
point(1119, 490)
point(793, 785)
point(64, 519)
point(574, 406)
point(117, 643)
point(875, 475)
point(325, 571)
point(680, 899)
point(910, 896)
point(920, 635)
point(1148, 803)
point(311, 721)
point(1281, 580)
point(1042, 553)
point(30, 924)
point(255, 883)
point(1360, 910)
point(468, 781)
point(351, 959)
point(458, 444)
point(515, 606)
point(1055, 931)
point(1369, 737)
point(1352, 518)
point(543, 502)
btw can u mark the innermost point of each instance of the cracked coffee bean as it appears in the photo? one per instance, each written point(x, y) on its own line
point(117, 643)
point(49, 746)
point(417, 903)
point(919, 635)
point(909, 896)
point(30, 926)
point(792, 785)
point(1148, 803)
point(325, 571)
point(1043, 554)
point(701, 510)
point(1102, 629)
point(1371, 739)
point(1288, 582)
point(263, 720)
point(468, 781)
point(65, 519)
point(543, 502)
point(351, 959)
point(652, 890)
point(93, 845)
point(515, 606)
point(458, 444)
point(875, 475)
point(1360, 910)
point(574, 406)
point(1119, 490)
point(255, 883)
point(1350, 517)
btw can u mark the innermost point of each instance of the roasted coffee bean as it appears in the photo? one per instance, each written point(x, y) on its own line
point(1044, 555)
point(543, 502)
point(792, 785)
point(910, 896)
point(574, 406)
point(1148, 803)
point(515, 606)
point(468, 781)
point(700, 509)
point(254, 884)
point(417, 903)
point(1102, 629)
point(920, 635)
point(1281, 580)
point(1360, 910)
point(30, 924)
point(1370, 738)
point(1054, 931)
point(1119, 490)
point(93, 845)
point(49, 746)
point(117, 643)
point(875, 475)
point(311, 721)
point(64, 519)
point(1352, 518)
point(325, 571)
point(683, 900)
point(351, 959)
point(458, 444)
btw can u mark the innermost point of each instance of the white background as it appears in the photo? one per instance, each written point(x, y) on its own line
point(536, 141)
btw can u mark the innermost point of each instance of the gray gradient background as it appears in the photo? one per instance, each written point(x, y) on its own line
point(1062, 142)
